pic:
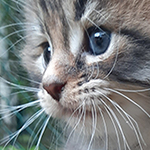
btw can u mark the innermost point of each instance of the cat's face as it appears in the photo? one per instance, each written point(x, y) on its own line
point(93, 60)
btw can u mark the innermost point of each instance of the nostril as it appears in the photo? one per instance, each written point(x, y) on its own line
point(54, 89)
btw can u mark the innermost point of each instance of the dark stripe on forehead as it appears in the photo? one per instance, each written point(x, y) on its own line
point(43, 5)
point(79, 8)
point(55, 15)
point(53, 5)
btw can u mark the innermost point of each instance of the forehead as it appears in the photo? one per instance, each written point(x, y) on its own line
point(64, 7)
point(112, 14)
point(114, 9)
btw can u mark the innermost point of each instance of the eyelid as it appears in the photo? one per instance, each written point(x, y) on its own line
point(97, 28)
point(44, 44)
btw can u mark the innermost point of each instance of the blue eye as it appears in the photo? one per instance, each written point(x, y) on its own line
point(47, 52)
point(99, 40)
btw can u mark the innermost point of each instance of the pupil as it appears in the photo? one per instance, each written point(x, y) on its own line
point(99, 40)
point(47, 53)
point(49, 49)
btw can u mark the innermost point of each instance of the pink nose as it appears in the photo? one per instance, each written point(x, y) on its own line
point(55, 90)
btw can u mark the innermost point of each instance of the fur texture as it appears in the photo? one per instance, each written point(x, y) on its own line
point(105, 98)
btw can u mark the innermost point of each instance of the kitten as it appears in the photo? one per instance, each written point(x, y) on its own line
point(92, 58)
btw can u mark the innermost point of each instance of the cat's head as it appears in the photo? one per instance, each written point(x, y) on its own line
point(86, 53)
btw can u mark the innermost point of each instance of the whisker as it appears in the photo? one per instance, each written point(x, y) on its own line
point(15, 109)
point(137, 131)
point(93, 22)
point(67, 123)
point(14, 8)
point(20, 3)
point(42, 132)
point(102, 15)
point(129, 99)
point(97, 71)
point(84, 118)
point(29, 122)
point(113, 66)
point(27, 79)
point(92, 72)
point(105, 127)
point(112, 120)
point(21, 86)
point(15, 24)
point(26, 124)
point(133, 91)
point(94, 124)
point(22, 38)
point(14, 44)
point(19, 92)
point(35, 135)
point(23, 105)
point(76, 125)
point(13, 33)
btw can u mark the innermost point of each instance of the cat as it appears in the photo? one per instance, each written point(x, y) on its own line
point(92, 59)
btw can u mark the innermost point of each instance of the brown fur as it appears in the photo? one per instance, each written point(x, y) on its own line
point(111, 84)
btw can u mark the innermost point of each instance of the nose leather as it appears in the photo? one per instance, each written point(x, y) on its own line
point(54, 90)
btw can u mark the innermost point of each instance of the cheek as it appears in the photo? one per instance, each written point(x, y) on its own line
point(40, 64)
point(50, 106)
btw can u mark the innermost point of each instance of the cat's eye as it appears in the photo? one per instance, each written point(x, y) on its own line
point(47, 52)
point(99, 40)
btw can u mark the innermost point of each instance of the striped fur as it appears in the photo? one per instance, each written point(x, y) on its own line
point(106, 98)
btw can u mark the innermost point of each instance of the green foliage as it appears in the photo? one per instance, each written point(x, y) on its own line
point(12, 72)
point(13, 148)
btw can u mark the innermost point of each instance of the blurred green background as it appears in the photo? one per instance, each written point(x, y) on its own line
point(11, 95)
